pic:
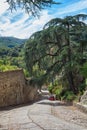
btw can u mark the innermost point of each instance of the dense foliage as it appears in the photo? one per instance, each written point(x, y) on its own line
point(56, 55)
point(59, 52)
point(11, 54)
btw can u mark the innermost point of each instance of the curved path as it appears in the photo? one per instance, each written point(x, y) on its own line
point(41, 115)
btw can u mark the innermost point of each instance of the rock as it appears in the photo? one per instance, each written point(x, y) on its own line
point(84, 98)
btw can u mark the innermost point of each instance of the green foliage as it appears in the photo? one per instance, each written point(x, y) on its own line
point(26, 73)
point(59, 47)
point(3, 51)
point(56, 88)
point(36, 72)
point(68, 96)
point(1, 62)
point(57, 91)
point(10, 42)
point(7, 67)
point(84, 70)
point(32, 6)
point(82, 87)
point(50, 88)
point(11, 57)
point(60, 92)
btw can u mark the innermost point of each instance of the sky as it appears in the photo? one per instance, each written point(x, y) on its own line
point(21, 25)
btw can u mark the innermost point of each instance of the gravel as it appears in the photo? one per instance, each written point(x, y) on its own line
point(69, 113)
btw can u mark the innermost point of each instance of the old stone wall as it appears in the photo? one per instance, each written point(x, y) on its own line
point(14, 88)
point(84, 98)
point(82, 105)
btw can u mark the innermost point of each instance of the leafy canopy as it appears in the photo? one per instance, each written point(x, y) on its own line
point(59, 49)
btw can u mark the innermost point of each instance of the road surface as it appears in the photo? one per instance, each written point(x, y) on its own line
point(42, 115)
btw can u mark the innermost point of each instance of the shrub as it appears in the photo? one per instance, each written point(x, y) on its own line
point(50, 88)
point(68, 96)
point(83, 70)
point(7, 67)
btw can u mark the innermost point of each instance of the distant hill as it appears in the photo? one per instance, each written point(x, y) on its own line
point(10, 42)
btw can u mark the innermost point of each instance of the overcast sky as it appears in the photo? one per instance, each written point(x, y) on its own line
point(21, 25)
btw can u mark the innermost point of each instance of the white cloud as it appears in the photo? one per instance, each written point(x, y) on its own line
point(82, 4)
point(3, 6)
point(20, 28)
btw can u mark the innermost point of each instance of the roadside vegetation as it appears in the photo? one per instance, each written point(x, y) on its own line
point(58, 54)
point(55, 56)
point(12, 54)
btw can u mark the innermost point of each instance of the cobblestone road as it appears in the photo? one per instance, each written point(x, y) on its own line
point(42, 115)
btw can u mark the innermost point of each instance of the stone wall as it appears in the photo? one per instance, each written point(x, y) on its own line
point(15, 89)
point(84, 98)
point(82, 105)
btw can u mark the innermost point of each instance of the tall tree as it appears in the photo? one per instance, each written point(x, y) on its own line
point(56, 48)
point(71, 25)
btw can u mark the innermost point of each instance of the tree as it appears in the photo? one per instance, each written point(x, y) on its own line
point(72, 25)
point(31, 6)
point(55, 49)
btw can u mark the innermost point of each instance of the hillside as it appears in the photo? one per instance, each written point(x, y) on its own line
point(10, 42)
point(11, 53)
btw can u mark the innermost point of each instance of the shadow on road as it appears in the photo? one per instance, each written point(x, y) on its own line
point(11, 107)
point(45, 103)
point(55, 103)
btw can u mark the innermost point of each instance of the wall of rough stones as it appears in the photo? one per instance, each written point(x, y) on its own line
point(84, 98)
point(15, 89)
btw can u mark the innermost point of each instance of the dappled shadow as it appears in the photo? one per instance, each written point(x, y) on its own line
point(55, 103)
point(11, 107)
point(45, 103)
point(14, 107)
point(60, 103)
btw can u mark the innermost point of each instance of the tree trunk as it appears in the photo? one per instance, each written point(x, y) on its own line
point(71, 82)
point(69, 73)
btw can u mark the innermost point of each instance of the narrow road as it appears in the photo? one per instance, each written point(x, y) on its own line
point(42, 115)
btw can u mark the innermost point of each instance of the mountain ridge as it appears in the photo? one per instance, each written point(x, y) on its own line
point(10, 42)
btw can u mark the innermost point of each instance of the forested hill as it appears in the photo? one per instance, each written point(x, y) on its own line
point(10, 42)
point(11, 53)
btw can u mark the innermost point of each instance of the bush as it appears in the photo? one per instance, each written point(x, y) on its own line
point(50, 88)
point(82, 87)
point(26, 73)
point(83, 70)
point(7, 67)
point(61, 92)
point(57, 91)
point(68, 96)
point(55, 88)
